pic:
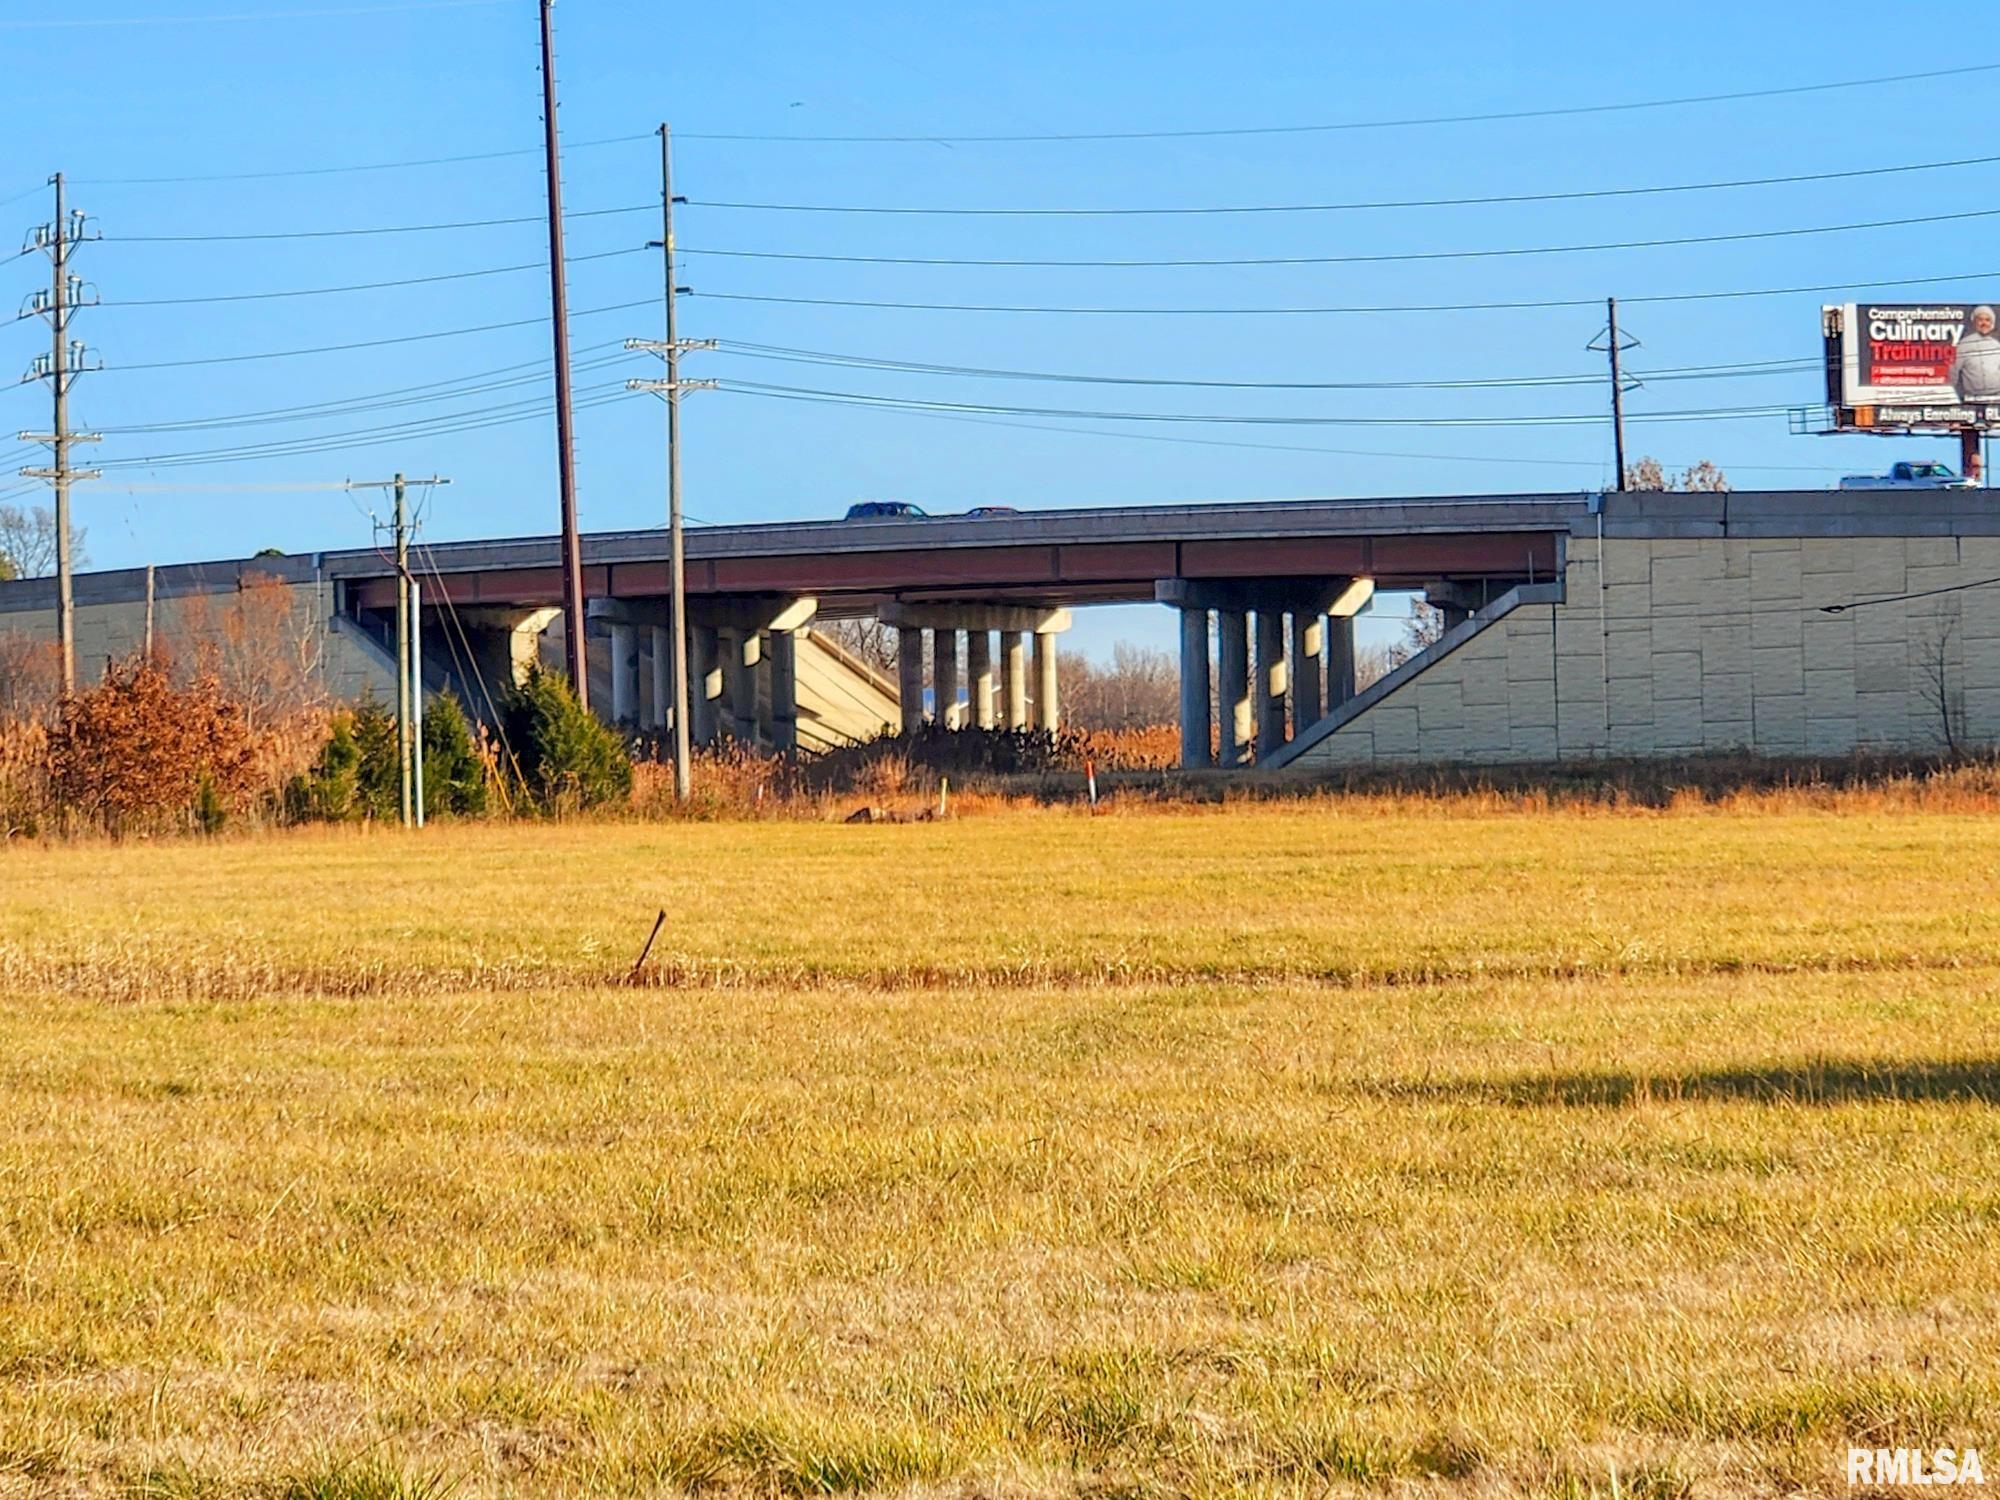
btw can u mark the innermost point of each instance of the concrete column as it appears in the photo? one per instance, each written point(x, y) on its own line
point(944, 677)
point(1308, 666)
point(506, 644)
point(1270, 682)
point(743, 650)
point(660, 644)
point(1195, 721)
point(1048, 712)
point(624, 673)
point(1339, 660)
point(761, 689)
point(979, 676)
point(1014, 676)
point(784, 691)
point(705, 667)
point(1233, 683)
point(910, 677)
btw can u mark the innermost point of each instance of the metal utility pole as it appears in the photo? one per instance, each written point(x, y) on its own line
point(409, 665)
point(574, 651)
point(1614, 346)
point(671, 350)
point(60, 367)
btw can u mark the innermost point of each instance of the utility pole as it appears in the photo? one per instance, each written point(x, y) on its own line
point(59, 368)
point(671, 350)
point(574, 651)
point(409, 666)
point(1614, 346)
point(405, 781)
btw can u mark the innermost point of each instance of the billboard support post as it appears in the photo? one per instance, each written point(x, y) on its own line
point(1969, 463)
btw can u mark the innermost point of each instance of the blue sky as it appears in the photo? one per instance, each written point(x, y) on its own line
point(171, 90)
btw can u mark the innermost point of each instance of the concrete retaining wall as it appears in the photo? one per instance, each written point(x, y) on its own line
point(1689, 644)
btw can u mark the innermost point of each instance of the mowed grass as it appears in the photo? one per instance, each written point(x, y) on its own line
point(1276, 1150)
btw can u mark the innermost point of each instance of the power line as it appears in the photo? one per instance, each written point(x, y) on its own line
point(1238, 443)
point(94, 23)
point(1526, 305)
point(1398, 257)
point(787, 354)
point(1485, 199)
point(407, 338)
point(374, 229)
point(1579, 195)
point(1627, 106)
point(416, 395)
point(364, 286)
point(1549, 420)
point(497, 416)
point(464, 159)
point(1404, 122)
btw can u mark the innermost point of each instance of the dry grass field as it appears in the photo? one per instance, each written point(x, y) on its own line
point(1283, 1150)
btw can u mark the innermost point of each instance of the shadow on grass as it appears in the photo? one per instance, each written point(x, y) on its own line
point(1968, 1080)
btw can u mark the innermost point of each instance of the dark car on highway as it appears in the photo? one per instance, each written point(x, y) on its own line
point(885, 510)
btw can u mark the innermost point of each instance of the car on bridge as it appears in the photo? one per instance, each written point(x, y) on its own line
point(886, 510)
point(1907, 475)
point(979, 512)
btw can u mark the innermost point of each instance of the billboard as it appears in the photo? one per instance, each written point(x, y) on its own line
point(1895, 365)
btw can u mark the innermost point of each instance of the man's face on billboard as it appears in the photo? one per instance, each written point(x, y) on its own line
point(1982, 320)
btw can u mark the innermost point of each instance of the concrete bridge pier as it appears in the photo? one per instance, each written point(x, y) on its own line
point(910, 677)
point(1339, 618)
point(1308, 666)
point(784, 696)
point(742, 650)
point(1303, 664)
point(624, 672)
point(944, 677)
point(1232, 672)
point(1014, 677)
point(1197, 749)
point(979, 677)
point(756, 700)
point(1271, 679)
point(506, 644)
point(659, 659)
point(705, 682)
point(1017, 623)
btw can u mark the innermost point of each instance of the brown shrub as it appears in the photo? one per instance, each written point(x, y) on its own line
point(137, 749)
point(30, 676)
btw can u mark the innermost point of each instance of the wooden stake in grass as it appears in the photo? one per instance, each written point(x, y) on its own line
point(640, 962)
point(944, 794)
point(1090, 775)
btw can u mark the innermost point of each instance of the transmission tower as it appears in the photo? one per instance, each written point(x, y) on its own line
point(65, 360)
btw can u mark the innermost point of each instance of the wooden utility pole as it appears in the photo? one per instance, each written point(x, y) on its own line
point(671, 349)
point(574, 651)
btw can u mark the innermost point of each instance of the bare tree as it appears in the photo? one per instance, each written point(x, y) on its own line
point(264, 648)
point(1423, 630)
point(28, 542)
point(868, 641)
point(1704, 477)
point(1935, 678)
point(1139, 688)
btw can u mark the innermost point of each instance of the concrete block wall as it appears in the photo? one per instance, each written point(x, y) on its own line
point(352, 664)
point(1683, 645)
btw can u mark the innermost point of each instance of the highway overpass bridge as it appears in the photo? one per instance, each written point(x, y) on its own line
point(1577, 624)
